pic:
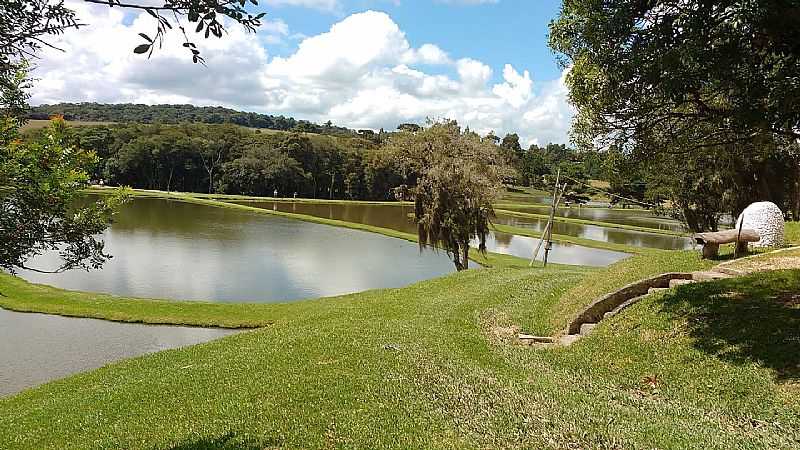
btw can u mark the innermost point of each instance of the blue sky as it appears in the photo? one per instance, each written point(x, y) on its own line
point(359, 63)
point(509, 31)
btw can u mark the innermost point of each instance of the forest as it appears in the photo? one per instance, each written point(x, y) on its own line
point(138, 113)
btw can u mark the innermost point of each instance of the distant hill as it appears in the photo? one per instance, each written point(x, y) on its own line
point(129, 112)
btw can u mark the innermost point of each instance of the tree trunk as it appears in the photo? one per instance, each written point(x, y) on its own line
point(333, 179)
point(465, 257)
point(796, 202)
point(210, 180)
point(169, 181)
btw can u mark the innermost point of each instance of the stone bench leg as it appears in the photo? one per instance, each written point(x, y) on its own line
point(742, 248)
point(710, 250)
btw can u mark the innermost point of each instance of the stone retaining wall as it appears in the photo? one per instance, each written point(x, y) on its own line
point(595, 311)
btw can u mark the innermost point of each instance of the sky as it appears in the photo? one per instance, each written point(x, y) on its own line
point(359, 63)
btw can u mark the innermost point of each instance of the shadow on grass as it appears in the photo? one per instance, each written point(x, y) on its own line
point(744, 320)
point(228, 441)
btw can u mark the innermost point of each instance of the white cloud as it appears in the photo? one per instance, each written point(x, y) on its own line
point(362, 73)
point(516, 90)
point(473, 74)
point(275, 27)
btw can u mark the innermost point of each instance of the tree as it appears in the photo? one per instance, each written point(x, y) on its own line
point(261, 170)
point(40, 182)
point(411, 127)
point(533, 166)
point(511, 142)
point(643, 73)
point(702, 95)
point(458, 177)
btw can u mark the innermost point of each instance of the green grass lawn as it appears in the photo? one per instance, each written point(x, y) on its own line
point(793, 233)
point(432, 365)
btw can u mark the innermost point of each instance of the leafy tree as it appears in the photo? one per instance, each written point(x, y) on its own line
point(511, 143)
point(703, 95)
point(411, 127)
point(261, 170)
point(645, 73)
point(534, 166)
point(217, 149)
point(458, 177)
point(40, 184)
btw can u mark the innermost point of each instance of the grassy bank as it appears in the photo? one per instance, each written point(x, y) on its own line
point(431, 365)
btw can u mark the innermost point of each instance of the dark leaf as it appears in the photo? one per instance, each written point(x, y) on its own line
point(143, 48)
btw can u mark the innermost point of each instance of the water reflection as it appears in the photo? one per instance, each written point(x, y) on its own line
point(170, 249)
point(561, 253)
point(400, 218)
point(637, 217)
point(603, 234)
point(37, 348)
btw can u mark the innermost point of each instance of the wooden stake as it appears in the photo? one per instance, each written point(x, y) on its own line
point(552, 216)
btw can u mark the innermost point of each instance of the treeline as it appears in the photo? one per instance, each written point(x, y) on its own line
point(537, 166)
point(174, 114)
point(230, 159)
point(226, 158)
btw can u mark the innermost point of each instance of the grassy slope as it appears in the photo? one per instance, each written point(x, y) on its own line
point(427, 366)
point(793, 233)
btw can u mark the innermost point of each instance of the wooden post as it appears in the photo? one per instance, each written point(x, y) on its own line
point(552, 216)
point(539, 246)
point(738, 237)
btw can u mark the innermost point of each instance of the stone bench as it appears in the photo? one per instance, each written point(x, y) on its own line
point(713, 239)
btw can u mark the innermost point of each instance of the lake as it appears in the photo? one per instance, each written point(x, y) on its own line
point(37, 348)
point(599, 233)
point(398, 217)
point(177, 250)
point(632, 216)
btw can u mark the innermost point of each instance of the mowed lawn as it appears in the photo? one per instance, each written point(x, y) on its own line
point(434, 365)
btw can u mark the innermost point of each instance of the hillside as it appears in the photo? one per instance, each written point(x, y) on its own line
point(128, 112)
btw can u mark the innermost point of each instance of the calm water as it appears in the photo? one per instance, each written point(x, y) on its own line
point(637, 217)
point(37, 348)
point(397, 217)
point(176, 250)
point(524, 247)
point(598, 233)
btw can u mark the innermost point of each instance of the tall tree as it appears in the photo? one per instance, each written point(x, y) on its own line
point(695, 90)
point(458, 176)
point(706, 72)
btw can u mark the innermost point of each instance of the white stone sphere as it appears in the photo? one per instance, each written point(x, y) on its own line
point(767, 219)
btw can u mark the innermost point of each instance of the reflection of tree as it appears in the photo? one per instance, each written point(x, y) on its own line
point(503, 239)
point(157, 216)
